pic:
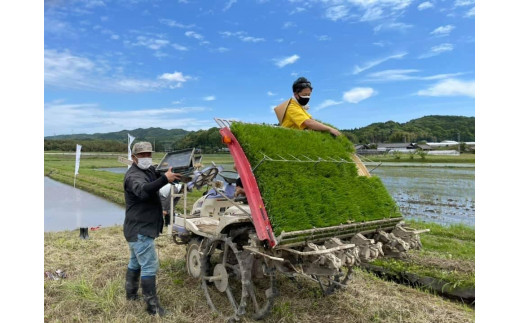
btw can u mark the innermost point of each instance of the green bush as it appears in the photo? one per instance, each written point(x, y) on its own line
point(300, 196)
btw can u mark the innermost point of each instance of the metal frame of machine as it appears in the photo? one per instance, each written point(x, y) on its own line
point(232, 249)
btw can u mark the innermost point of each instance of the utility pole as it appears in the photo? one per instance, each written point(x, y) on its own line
point(458, 140)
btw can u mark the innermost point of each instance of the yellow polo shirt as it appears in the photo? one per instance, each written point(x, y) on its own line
point(295, 116)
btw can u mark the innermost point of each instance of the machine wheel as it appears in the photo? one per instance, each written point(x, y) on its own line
point(222, 282)
point(330, 284)
point(236, 281)
point(262, 290)
point(193, 258)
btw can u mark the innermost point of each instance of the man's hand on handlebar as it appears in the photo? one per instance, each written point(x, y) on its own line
point(172, 176)
point(239, 191)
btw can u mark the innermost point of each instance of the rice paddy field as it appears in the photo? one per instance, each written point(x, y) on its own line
point(441, 194)
point(94, 287)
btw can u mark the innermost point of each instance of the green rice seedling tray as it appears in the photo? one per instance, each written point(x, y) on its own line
point(308, 180)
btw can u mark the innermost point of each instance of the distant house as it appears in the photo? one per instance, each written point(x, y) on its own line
point(424, 147)
point(444, 152)
point(384, 148)
point(437, 148)
point(396, 146)
point(361, 146)
point(444, 143)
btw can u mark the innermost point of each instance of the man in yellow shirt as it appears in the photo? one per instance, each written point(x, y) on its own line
point(293, 112)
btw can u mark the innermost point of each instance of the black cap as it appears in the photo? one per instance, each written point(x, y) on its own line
point(300, 84)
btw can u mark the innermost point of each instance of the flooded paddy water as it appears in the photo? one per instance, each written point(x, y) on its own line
point(69, 208)
point(443, 193)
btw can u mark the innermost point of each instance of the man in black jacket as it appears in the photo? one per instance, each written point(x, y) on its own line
point(143, 223)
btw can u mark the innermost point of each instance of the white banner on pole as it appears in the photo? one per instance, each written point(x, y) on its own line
point(130, 140)
point(78, 156)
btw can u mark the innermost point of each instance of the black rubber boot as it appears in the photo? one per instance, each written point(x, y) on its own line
point(132, 284)
point(83, 233)
point(150, 296)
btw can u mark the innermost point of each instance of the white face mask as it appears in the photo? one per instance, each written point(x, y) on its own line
point(144, 163)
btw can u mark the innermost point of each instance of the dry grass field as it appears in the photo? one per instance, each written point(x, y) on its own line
point(93, 290)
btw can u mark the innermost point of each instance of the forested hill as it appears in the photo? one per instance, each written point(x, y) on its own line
point(428, 128)
point(162, 139)
point(158, 133)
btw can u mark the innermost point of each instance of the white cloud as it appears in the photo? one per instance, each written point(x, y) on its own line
point(358, 94)
point(179, 47)
point(328, 103)
point(221, 50)
point(372, 14)
point(242, 35)
point(424, 5)
point(436, 50)
point(281, 62)
point(323, 38)
point(354, 95)
point(461, 3)
point(446, 47)
point(229, 4)
point(64, 70)
point(60, 118)
point(443, 30)
point(380, 44)
point(297, 10)
point(399, 26)
point(174, 77)
point(392, 75)
point(250, 39)
point(209, 98)
point(368, 65)
point(271, 93)
point(470, 13)
point(151, 43)
point(193, 34)
point(94, 3)
point(232, 33)
point(391, 4)
point(336, 13)
point(289, 24)
point(364, 10)
point(405, 75)
point(60, 28)
point(173, 23)
point(450, 87)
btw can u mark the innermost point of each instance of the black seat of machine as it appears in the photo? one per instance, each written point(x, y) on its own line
point(229, 176)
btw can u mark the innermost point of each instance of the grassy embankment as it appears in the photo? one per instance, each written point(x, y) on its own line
point(448, 254)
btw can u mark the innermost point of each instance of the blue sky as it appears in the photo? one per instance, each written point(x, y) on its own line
point(122, 64)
